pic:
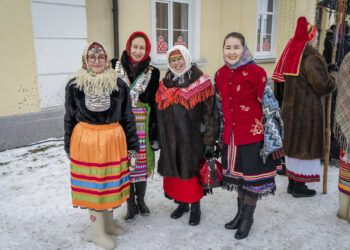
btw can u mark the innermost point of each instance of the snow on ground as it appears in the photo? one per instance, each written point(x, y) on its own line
point(36, 213)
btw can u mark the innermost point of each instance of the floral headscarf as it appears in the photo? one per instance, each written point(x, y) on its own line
point(96, 83)
point(128, 45)
point(245, 58)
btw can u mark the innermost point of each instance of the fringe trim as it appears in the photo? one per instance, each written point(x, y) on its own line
point(177, 98)
point(344, 145)
point(101, 84)
point(240, 187)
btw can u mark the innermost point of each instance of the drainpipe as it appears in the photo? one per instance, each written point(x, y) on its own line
point(116, 28)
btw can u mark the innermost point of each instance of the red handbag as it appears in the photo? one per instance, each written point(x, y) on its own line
point(210, 173)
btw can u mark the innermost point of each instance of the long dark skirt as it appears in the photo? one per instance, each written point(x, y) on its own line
point(244, 170)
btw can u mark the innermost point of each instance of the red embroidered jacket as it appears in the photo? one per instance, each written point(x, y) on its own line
point(241, 92)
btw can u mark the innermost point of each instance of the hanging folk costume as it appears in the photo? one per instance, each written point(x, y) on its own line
point(143, 81)
point(99, 132)
point(188, 126)
point(342, 131)
point(303, 72)
point(252, 130)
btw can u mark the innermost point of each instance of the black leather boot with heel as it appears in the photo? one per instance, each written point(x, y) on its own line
point(233, 224)
point(246, 222)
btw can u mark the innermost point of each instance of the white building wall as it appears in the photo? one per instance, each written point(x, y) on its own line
point(60, 35)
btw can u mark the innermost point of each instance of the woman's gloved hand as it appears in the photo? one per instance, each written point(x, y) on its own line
point(209, 152)
point(132, 157)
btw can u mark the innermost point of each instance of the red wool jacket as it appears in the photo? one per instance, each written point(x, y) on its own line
point(241, 92)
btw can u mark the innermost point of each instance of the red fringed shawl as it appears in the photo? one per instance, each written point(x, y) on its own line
point(289, 62)
point(190, 96)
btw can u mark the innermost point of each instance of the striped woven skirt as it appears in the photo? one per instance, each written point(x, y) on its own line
point(140, 172)
point(99, 167)
point(243, 169)
point(344, 174)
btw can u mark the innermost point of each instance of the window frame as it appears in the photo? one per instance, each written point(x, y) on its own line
point(194, 19)
point(267, 56)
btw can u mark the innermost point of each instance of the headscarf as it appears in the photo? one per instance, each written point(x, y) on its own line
point(289, 62)
point(342, 106)
point(185, 54)
point(128, 46)
point(245, 58)
point(96, 83)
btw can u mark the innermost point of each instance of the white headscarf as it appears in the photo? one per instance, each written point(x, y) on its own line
point(186, 55)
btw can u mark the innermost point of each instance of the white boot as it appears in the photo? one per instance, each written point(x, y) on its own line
point(344, 202)
point(110, 226)
point(98, 233)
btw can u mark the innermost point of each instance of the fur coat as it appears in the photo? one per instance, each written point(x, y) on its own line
point(302, 108)
point(187, 121)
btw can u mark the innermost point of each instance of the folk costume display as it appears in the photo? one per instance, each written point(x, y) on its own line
point(188, 128)
point(342, 131)
point(100, 132)
point(252, 130)
point(143, 80)
point(303, 72)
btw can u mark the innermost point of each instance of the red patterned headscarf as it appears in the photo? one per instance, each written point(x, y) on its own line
point(132, 37)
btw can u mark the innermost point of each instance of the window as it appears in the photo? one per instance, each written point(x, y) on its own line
point(266, 29)
point(175, 22)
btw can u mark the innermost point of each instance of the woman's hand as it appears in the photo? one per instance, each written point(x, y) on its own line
point(218, 147)
point(279, 153)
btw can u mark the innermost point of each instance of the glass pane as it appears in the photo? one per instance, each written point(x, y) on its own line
point(162, 15)
point(162, 41)
point(181, 38)
point(268, 24)
point(180, 16)
point(270, 6)
point(258, 33)
point(266, 43)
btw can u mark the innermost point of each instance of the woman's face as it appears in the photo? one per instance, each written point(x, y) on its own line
point(138, 48)
point(233, 50)
point(177, 64)
point(96, 61)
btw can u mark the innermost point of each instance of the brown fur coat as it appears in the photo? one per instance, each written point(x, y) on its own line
point(302, 110)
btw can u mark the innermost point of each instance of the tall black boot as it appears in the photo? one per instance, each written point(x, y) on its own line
point(180, 210)
point(246, 222)
point(301, 190)
point(195, 215)
point(140, 193)
point(290, 185)
point(233, 224)
point(131, 205)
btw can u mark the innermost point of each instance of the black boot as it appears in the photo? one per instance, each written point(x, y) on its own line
point(180, 210)
point(246, 222)
point(233, 224)
point(301, 190)
point(131, 205)
point(195, 215)
point(290, 185)
point(140, 193)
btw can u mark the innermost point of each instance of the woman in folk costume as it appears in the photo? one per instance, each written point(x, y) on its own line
point(342, 130)
point(100, 133)
point(252, 130)
point(143, 80)
point(303, 72)
point(188, 128)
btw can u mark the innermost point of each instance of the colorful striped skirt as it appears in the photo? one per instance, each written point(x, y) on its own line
point(243, 169)
point(99, 167)
point(344, 174)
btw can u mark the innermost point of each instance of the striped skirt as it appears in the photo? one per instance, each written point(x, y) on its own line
point(99, 167)
point(344, 174)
